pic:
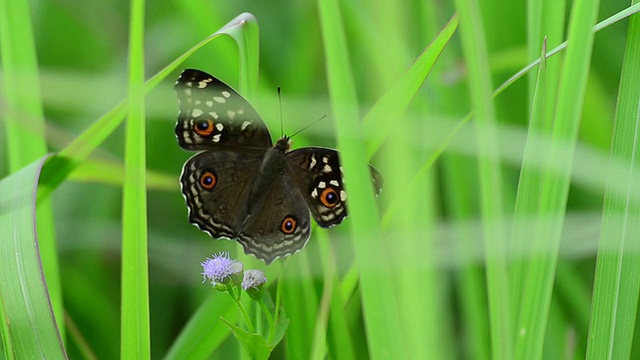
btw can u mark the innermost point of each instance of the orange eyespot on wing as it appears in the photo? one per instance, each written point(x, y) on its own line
point(329, 197)
point(204, 127)
point(208, 180)
point(288, 225)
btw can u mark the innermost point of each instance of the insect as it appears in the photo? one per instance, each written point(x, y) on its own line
point(243, 187)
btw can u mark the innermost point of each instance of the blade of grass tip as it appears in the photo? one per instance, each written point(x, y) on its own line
point(395, 101)
point(616, 287)
point(135, 331)
point(245, 31)
point(25, 125)
point(380, 304)
point(528, 185)
point(29, 330)
point(492, 213)
point(58, 167)
point(539, 277)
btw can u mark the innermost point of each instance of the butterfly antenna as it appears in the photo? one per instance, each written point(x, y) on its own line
point(308, 126)
point(281, 121)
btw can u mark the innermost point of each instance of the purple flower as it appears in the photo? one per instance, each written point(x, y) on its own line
point(219, 268)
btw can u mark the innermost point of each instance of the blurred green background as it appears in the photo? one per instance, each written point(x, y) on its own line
point(82, 57)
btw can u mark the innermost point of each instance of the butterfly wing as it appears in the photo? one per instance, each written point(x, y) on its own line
point(279, 225)
point(215, 186)
point(213, 115)
point(316, 172)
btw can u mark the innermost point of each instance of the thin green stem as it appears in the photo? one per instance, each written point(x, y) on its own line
point(236, 299)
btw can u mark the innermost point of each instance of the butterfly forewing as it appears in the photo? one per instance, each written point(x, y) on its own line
point(213, 115)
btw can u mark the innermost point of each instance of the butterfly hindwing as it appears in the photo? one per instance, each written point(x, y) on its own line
point(215, 189)
point(279, 225)
point(213, 115)
point(318, 175)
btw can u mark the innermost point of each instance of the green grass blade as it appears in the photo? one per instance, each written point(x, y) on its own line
point(539, 281)
point(24, 117)
point(615, 294)
point(492, 213)
point(25, 124)
point(204, 332)
point(395, 101)
point(529, 182)
point(135, 328)
point(380, 304)
point(301, 304)
point(30, 331)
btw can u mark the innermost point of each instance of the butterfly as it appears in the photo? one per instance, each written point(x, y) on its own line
point(243, 187)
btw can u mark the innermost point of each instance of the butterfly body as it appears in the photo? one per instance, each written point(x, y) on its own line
point(241, 186)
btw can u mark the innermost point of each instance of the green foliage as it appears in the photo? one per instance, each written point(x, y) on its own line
point(504, 215)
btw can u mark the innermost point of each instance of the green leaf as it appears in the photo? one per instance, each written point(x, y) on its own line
point(255, 344)
point(29, 327)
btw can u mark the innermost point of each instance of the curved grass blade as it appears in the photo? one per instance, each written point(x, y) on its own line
point(31, 325)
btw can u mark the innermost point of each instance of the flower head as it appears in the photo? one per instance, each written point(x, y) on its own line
point(252, 283)
point(219, 268)
point(253, 279)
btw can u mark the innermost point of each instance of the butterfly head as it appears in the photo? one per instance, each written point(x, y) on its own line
point(283, 144)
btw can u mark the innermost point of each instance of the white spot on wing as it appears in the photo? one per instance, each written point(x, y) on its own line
point(325, 159)
point(241, 111)
point(231, 114)
point(326, 169)
point(187, 92)
point(314, 193)
point(226, 94)
point(196, 112)
point(214, 115)
point(313, 162)
point(216, 138)
point(322, 184)
point(209, 103)
point(219, 99)
point(334, 183)
point(343, 195)
point(219, 126)
point(245, 124)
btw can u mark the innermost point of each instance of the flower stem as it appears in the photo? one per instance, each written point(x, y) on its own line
point(236, 299)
